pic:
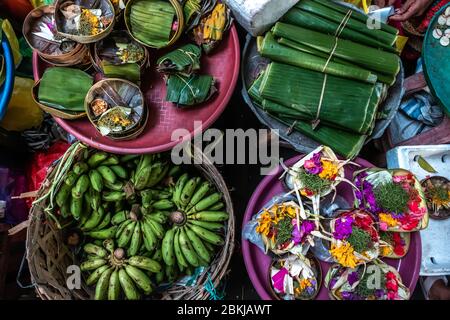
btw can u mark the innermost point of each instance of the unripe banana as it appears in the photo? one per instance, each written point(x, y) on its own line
point(95, 250)
point(187, 250)
point(92, 264)
point(81, 186)
point(125, 236)
point(136, 240)
point(94, 276)
point(188, 191)
point(157, 228)
point(107, 174)
point(179, 188)
point(80, 168)
point(94, 220)
point(111, 160)
point(140, 279)
point(120, 171)
point(122, 227)
point(205, 203)
point(105, 222)
point(145, 263)
point(103, 234)
point(213, 216)
point(128, 286)
point(149, 237)
point(119, 217)
point(177, 249)
point(96, 158)
point(96, 180)
point(198, 245)
point(167, 247)
point(114, 286)
point(212, 226)
point(207, 235)
point(199, 194)
point(101, 289)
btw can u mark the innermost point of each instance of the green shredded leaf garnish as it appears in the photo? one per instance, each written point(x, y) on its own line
point(284, 231)
point(313, 182)
point(359, 239)
point(392, 197)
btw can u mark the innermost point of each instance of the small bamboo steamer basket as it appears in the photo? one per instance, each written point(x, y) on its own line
point(84, 39)
point(53, 111)
point(132, 132)
point(48, 256)
point(71, 58)
point(180, 17)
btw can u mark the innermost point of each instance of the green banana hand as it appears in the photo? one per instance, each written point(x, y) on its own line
point(101, 289)
point(140, 279)
point(128, 286)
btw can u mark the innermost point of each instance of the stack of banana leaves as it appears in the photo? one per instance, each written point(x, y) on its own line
point(185, 87)
point(328, 73)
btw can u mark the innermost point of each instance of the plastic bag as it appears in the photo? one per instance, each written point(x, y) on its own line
point(23, 113)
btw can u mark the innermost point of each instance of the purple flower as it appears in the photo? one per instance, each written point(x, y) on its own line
point(314, 165)
point(379, 293)
point(365, 195)
point(310, 290)
point(352, 278)
point(347, 295)
point(343, 228)
point(332, 283)
point(298, 236)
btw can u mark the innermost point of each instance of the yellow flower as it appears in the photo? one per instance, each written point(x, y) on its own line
point(386, 250)
point(344, 255)
point(388, 219)
point(303, 284)
point(330, 170)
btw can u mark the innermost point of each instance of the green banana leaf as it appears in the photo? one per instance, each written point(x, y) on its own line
point(184, 60)
point(129, 71)
point(151, 22)
point(189, 91)
point(64, 88)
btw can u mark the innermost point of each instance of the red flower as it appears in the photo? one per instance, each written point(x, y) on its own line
point(391, 276)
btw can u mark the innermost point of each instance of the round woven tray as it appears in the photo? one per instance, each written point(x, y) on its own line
point(48, 256)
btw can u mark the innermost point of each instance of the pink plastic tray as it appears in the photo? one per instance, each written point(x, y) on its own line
point(164, 118)
point(257, 263)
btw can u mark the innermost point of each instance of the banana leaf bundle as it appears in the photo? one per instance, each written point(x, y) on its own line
point(184, 61)
point(64, 88)
point(347, 104)
point(270, 48)
point(189, 91)
point(389, 80)
point(338, 14)
point(364, 56)
point(194, 10)
point(209, 32)
point(345, 143)
point(317, 23)
point(152, 22)
point(357, 15)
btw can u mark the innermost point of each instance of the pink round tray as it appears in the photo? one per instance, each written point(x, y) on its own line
point(222, 64)
point(257, 263)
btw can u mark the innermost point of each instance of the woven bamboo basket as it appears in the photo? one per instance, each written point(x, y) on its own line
point(48, 256)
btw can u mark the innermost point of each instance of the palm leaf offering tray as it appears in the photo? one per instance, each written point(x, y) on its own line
point(295, 278)
point(396, 196)
point(374, 281)
point(315, 64)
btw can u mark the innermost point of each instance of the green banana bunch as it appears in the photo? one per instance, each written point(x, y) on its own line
point(116, 276)
point(135, 230)
point(196, 224)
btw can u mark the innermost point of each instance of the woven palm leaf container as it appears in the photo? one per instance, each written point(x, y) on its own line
point(49, 254)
